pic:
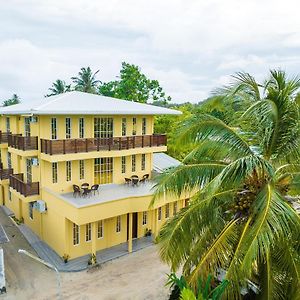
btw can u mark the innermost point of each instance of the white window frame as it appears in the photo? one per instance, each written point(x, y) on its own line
point(134, 121)
point(8, 160)
point(118, 224)
point(103, 170)
point(30, 210)
point(100, 229)
point(7, 124)
point(81, 169)
point(53, 128)
point(145, 218)
point(124, 127)
point(167, 211)
point(88, 232)
point(68, 124)
point(123, 164)
point(76, 234)
point(144, 126)
point(103, 127)
point(68, 170)
point(174, 208)
point(143, 162)
point(54, 172)
point(133, 163)
point(81, 128)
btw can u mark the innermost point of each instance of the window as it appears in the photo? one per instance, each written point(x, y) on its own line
point(68, 170)
point(103, 170)
point(143, 162)
point(133, 126)
point(174, 208)
point(9, 195)
point(159, 213)
point(133, 163)
point(124, 126)
point(75, 234)
point(167, 212)
point(186, 202)
point(144, 126)
point(68, 128)
point(9, 160)
point(145, 216)
point(103, 127)
point(81, 169)
point(123, 164)
point(81, 128)
point(27, 126)
point(118, 224)
point(53, 129)
point(30, 210)
point(29, 170)
point(7, 124)
point(54, 172)
point(100, 229)
point(88, 232)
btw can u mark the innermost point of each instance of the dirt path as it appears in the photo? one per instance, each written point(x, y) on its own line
point(140, 275)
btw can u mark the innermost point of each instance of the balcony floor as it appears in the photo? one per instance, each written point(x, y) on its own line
point(110, 192)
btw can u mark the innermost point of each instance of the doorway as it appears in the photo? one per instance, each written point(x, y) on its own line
point(134, 225)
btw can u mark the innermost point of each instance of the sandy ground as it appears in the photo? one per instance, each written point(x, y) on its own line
point(140, 275)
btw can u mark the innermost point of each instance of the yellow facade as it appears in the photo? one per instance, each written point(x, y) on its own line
point(67, 228)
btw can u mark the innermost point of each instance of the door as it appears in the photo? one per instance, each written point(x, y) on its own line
point(134, 225)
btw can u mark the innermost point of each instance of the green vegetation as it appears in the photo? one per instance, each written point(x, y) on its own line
point(12, 101)
point(59, 87)
point(86, 81)
point(241, 219)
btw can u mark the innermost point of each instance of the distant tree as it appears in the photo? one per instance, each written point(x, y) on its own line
point(86, 81)
point(12, 101)
point(59, 87)
point(134, 85)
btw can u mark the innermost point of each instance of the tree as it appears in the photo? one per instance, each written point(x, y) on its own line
point(241, 218)
point(86, 81)
point(59, 87)
point(134, 85)
point(12, 101)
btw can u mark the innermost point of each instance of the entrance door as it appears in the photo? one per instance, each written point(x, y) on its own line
point(134, 225)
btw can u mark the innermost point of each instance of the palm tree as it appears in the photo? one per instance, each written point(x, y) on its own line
point(86, 81)
point(59, 87)
point(12, 101)
point(240, 218)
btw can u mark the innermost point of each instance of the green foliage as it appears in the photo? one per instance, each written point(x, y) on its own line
point(206, 290)
point(134, 85)
point(58, 87)
point(239, 218)
point(12, 101)
point(86, 81)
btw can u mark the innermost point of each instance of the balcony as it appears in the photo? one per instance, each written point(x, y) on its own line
point(4, 137)
point(101, 144)
point(16, 181)
point(24, 143)
point(5, 173)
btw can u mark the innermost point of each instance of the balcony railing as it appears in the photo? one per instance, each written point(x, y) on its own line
point(23, 142)
point(99, 144)
point(4, 137)
point(16, 181)
point(5, 173)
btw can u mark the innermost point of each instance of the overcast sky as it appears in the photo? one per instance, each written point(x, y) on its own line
point(190, 46)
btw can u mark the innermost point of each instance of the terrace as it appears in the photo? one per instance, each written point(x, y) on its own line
point(24, 143)
point(109, 192)
point(16, 181)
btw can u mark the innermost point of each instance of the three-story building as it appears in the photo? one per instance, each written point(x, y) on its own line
point(51, 148)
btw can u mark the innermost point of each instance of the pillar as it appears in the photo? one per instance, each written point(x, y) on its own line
point(130, 233)
point(94, 237)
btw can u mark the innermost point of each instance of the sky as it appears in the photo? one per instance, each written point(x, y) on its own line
point(191, 47)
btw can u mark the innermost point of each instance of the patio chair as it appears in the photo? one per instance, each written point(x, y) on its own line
point(85, 185)
point(76, 190)
point(135, 181)
point(143, 180)
point(146, 177)
point(127, 180)
point(95, 188)
point(86, 192)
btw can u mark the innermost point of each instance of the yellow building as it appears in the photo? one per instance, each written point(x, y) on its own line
point(75, 138)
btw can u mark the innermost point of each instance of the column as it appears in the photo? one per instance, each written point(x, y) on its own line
point(67, 237)
point(94, 237)
point(130, 233)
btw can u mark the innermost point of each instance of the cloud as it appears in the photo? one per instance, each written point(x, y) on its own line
point(190, 46)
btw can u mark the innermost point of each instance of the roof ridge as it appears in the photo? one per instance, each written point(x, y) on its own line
point(57, 97)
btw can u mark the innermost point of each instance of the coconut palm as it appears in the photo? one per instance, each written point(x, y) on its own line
point(86, 81)
point(239, 218)
point(15, 99)
point(59, 87)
